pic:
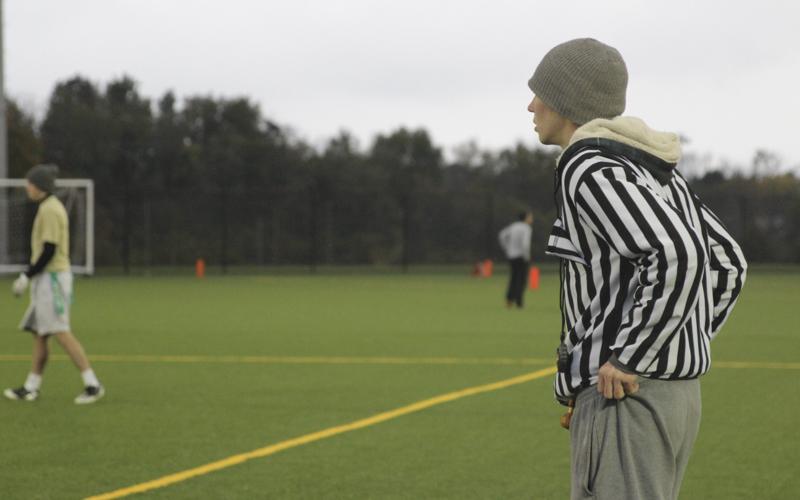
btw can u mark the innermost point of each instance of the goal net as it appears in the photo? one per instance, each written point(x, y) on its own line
point(17, 214)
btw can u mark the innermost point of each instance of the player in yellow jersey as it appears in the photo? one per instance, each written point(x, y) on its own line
point(50, 279)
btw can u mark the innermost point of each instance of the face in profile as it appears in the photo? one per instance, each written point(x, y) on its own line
point(529, 219)
point(550, 125)
point(34, 193)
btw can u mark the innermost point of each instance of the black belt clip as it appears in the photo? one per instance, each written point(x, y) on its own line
point(563, 358)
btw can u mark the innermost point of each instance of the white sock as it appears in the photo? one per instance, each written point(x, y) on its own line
point(90, 379)
point(33, 382)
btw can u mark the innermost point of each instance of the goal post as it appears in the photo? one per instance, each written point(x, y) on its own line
point(77, 195)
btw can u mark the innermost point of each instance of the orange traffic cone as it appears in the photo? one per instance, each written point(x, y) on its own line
point(200, 268)
point(533, 278)
point(488, 268)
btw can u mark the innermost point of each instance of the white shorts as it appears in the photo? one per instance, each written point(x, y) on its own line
point(51, 298)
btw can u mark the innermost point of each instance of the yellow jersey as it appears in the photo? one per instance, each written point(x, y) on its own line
point(51, 225)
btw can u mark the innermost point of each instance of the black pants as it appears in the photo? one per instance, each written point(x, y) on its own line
point(517, 280)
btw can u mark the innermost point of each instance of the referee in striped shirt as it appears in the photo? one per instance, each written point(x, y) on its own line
point(649, 275)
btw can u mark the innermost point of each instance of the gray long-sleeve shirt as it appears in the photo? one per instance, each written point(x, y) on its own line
point(516, 240)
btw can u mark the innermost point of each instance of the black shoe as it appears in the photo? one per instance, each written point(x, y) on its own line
point(89, 395)
point(21, 394)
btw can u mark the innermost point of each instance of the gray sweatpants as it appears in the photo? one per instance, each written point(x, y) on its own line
point(636, 448)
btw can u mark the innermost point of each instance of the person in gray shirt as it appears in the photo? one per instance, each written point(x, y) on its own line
point(516, 242)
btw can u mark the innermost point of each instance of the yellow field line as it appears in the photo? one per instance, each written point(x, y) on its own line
point(356, 360)
point(319, 435)
point(292, 360)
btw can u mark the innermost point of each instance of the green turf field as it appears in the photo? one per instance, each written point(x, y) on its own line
point(197, 371)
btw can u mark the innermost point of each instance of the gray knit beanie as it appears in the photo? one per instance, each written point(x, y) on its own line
point(581, 80)
point(43, 177)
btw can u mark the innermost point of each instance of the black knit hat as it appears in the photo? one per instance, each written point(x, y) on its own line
point(43, 177)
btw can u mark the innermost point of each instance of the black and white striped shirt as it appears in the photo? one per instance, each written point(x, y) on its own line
point(649, 273)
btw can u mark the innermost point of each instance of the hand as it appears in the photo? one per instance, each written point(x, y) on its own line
point(20, 284)
point(614, 383)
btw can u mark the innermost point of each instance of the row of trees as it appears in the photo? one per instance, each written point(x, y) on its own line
point(213, 178)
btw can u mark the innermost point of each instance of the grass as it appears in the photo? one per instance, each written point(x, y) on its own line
point(163, 417)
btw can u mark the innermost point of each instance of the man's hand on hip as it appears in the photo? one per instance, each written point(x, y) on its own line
point(614, 383)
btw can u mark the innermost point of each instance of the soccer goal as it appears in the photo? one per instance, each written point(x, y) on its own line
point(18, 213)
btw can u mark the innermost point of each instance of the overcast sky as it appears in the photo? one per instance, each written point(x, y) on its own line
point(727, 77)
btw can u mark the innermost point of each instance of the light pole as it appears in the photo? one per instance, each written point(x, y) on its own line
point(4, 215)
